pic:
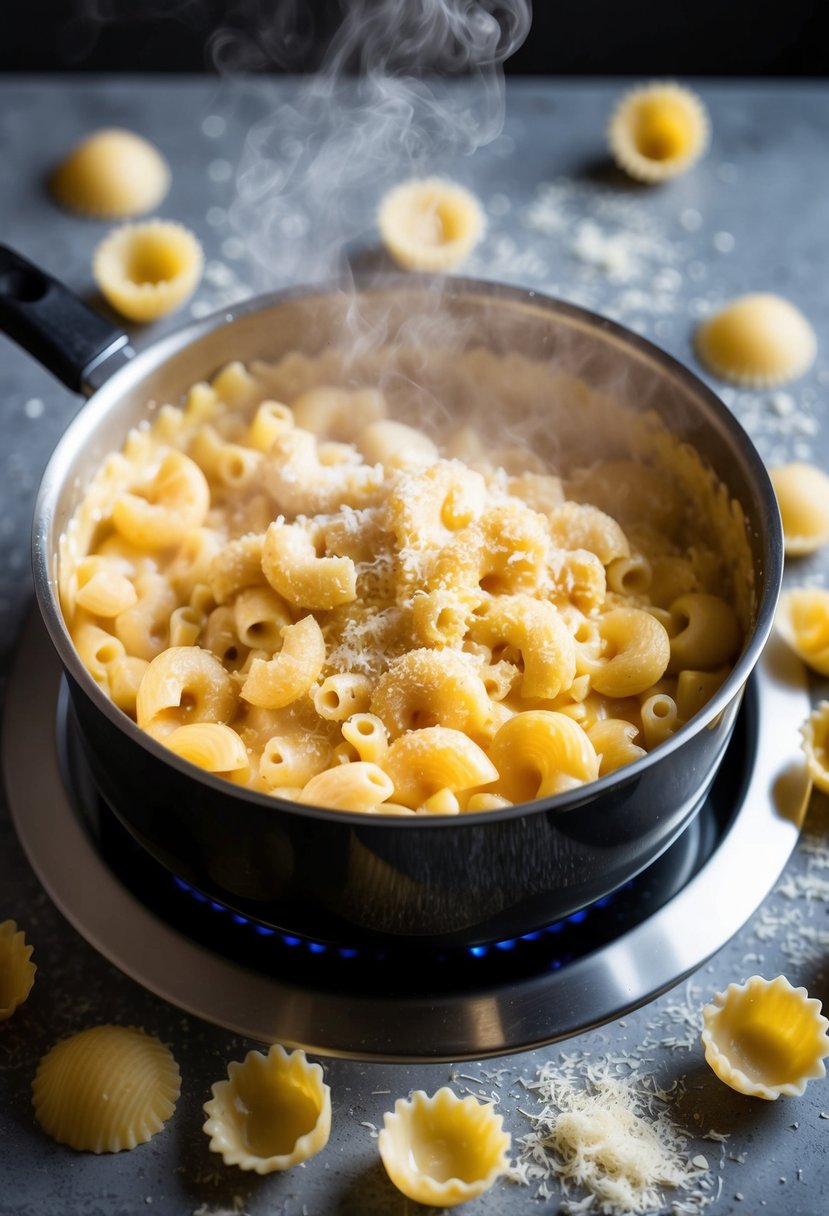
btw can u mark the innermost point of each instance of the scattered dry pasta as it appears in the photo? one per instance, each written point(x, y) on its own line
point(106, 1089)
point(765, 1038)
point(147, 270)
point(443, 1150)
point(366, 622)
point(803, 497)
point(113, 174)
point(430, 224)
point(273, 1111)
point(815, 742)
point(758, 340)
point(803, 622)
point(17, 971)
point(658, 131)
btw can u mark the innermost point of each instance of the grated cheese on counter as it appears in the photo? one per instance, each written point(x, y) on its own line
point(611, 1137)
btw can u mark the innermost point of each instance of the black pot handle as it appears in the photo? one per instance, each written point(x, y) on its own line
point(53, 324)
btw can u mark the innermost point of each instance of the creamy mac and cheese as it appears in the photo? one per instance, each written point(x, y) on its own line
point(331, 606)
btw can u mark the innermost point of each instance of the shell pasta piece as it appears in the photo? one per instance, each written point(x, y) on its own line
point(17, 971)
point(106, 1089)
point(803, 497)
point(815, 742)
point(443, 1150)
point(803, 622)
point(273, 1111)
point(758, 340)
point(658, 131)
point(765, 1038)
point(147, 270)
point(430, 224)
point(112, 174)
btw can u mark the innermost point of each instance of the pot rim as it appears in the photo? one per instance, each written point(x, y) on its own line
point(157, 353)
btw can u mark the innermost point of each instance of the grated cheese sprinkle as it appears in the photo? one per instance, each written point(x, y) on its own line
point(611, 1137)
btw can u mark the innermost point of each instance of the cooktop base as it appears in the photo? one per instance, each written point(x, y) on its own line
point(413, 1005)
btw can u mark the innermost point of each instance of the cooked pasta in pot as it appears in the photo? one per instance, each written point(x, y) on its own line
point(334, 607)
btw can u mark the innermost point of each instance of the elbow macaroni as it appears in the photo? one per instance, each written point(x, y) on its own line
point(325, 604)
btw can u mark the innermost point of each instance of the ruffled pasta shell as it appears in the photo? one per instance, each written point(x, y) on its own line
point(658, 131)
point(815, 743)
point(112, 174)
point(17, 971)
point(443, 1150)
point(430, 224)
point(147, 270)
point(802, 621)
point(758, 340)
point(272, 1112)
point(106, 1089)
point(765, 1038)
point(803, 498)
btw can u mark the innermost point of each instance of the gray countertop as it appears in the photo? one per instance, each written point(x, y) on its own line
point(750, 216)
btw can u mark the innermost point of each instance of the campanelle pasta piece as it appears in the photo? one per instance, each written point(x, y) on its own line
point(106, 1089)
point(112, 174)
point(803, 497)
point(815, 743)
point(758, 340)
point(658, 131)
point(430, 224)
point(273, 1111)
point(765, 1038)
point(803, 622)
point(149, 269)
point(17, 971)
point(443, 1150)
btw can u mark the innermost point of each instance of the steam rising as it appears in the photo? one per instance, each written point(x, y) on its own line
point(382, 107)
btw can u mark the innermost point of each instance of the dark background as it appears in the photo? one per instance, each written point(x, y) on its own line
point(568, 37)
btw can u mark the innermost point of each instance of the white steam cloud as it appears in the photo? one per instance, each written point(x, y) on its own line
point(383, 106)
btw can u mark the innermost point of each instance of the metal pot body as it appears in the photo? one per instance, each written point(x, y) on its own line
point(345, 877)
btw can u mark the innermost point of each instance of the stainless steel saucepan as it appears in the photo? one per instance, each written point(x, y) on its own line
point(345, 877)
